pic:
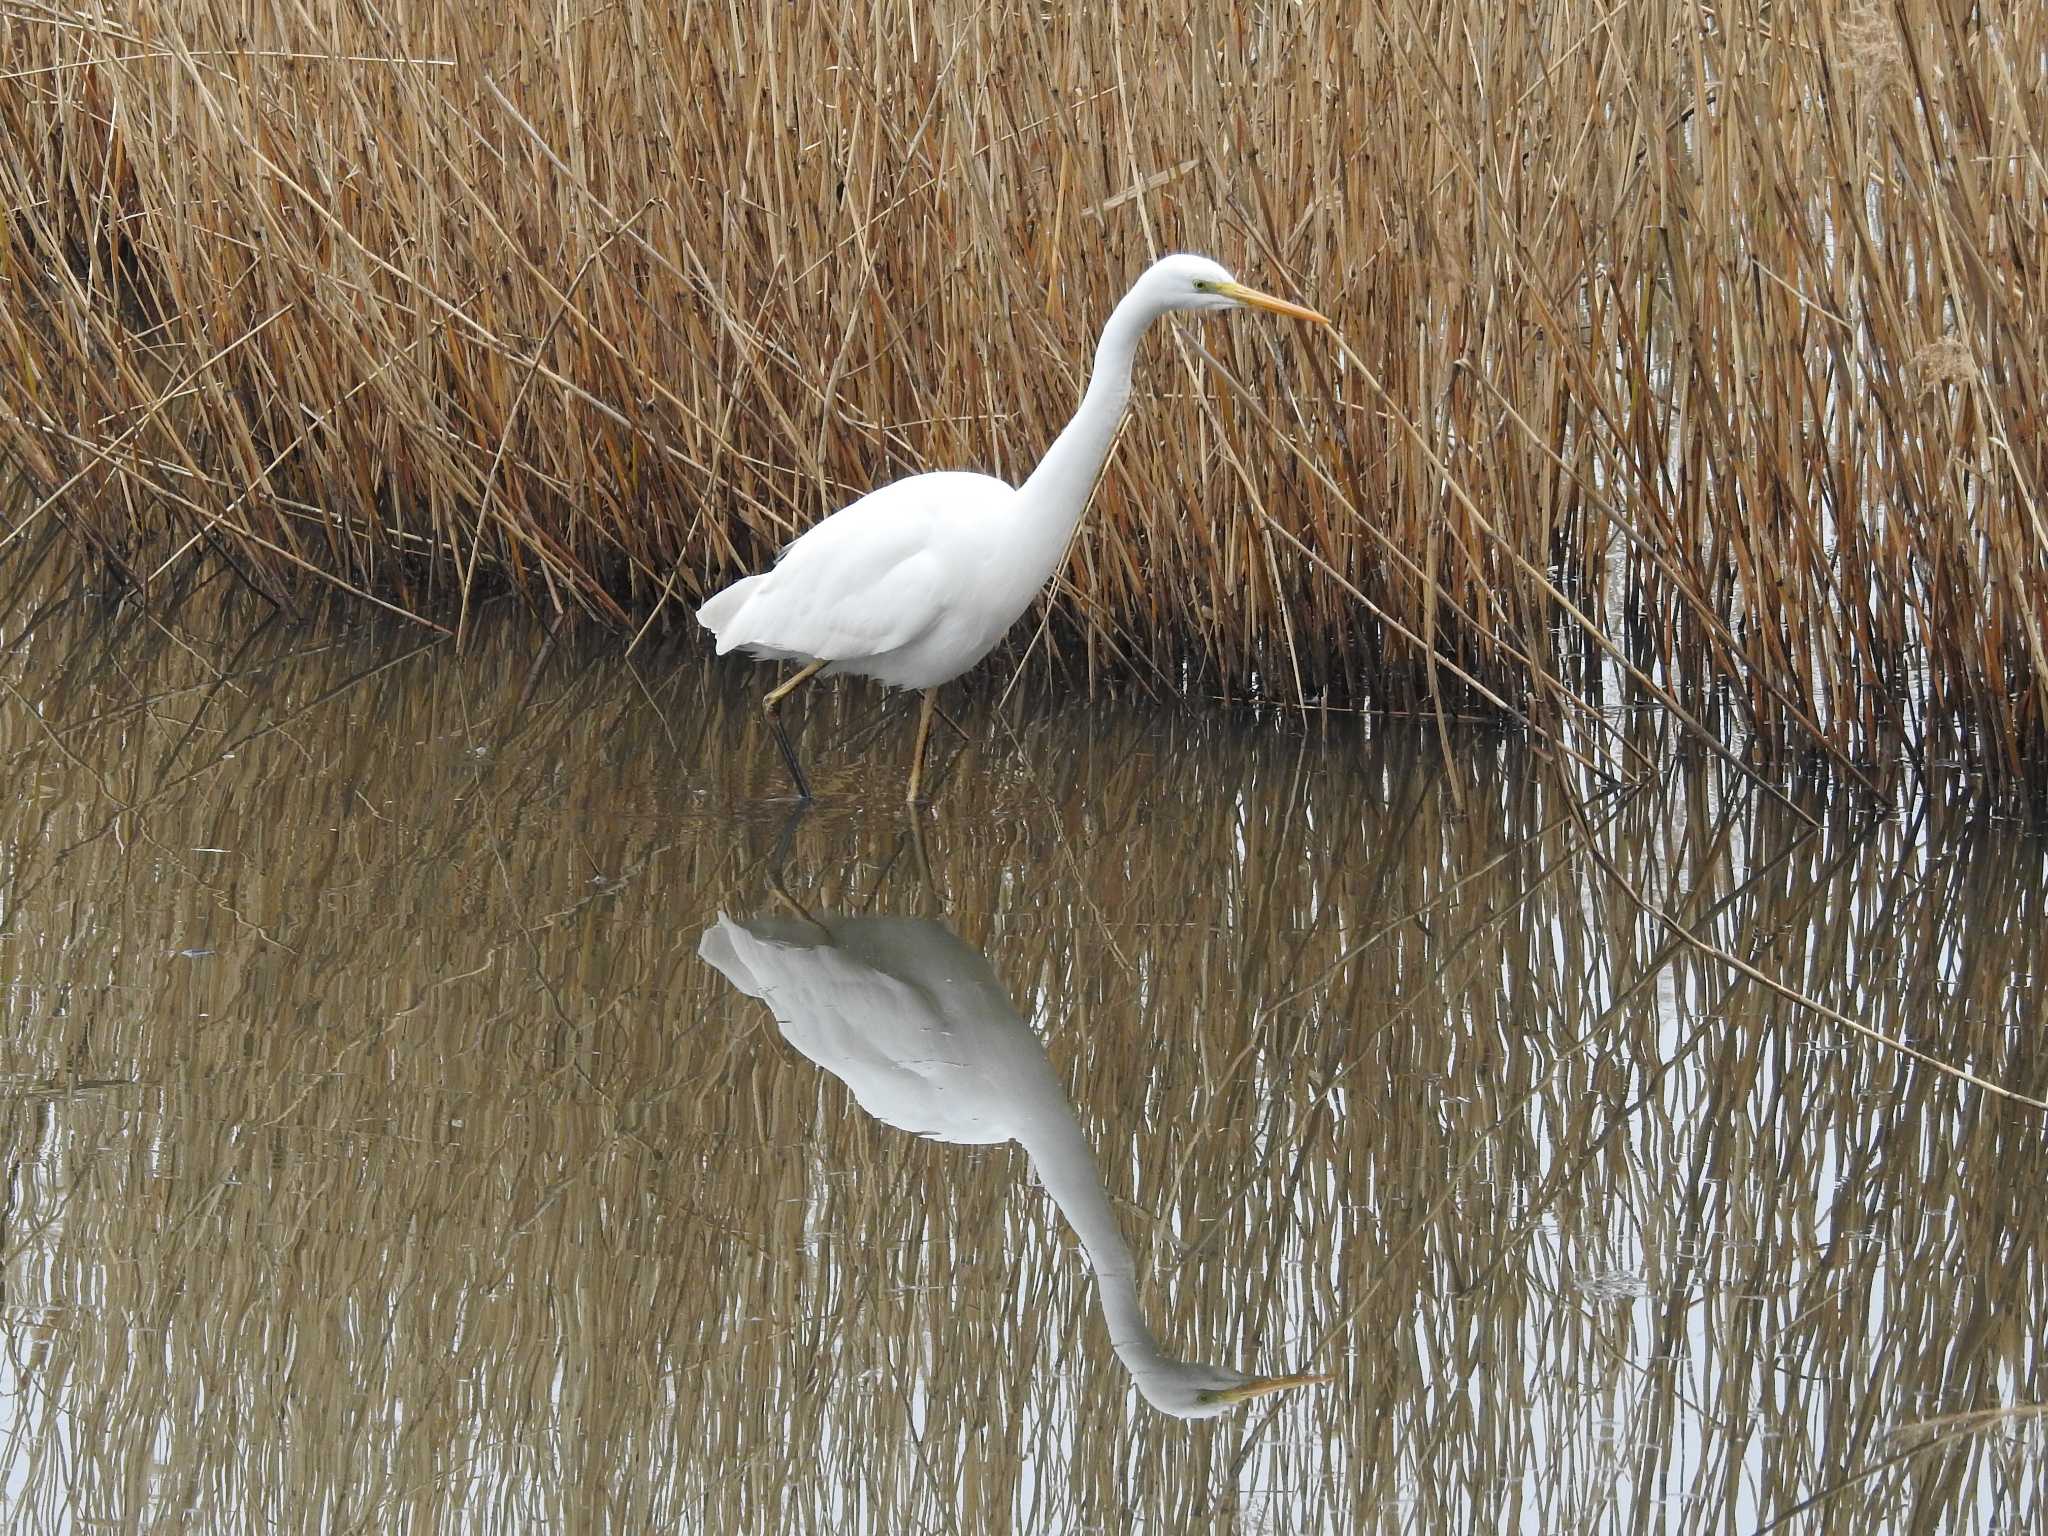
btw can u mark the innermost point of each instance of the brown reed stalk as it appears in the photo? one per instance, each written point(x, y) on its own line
point(1698, 351)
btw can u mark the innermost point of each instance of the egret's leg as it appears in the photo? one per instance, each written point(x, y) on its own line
point(924, 732)
point(934, 903)
point(778, 865)
point(769, 704)
point(778, 860)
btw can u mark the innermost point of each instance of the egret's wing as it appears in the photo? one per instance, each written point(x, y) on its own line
point(870, 579)
point(886, 606)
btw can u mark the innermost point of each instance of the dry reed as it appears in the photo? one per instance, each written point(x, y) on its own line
point(379, 1156)
point(1690, 348)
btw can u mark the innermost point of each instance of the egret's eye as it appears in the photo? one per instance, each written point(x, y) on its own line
point(1203, 285)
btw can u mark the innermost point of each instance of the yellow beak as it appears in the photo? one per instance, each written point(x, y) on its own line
point(1265, 1386)
point(1258, 300)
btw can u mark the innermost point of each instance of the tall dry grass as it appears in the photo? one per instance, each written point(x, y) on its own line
point(1690, 347)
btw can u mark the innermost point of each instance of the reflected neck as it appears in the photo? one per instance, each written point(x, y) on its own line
point(1067, 1169)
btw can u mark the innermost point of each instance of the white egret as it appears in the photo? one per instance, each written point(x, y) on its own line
point(916, 582)
point(918, 1026)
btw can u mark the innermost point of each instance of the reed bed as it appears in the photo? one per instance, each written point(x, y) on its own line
point(380, 1156)
point(1689, 351)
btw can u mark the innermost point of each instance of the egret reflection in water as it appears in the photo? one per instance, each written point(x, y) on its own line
point(916, 1024)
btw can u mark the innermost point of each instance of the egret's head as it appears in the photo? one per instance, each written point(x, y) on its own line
point(1196, 282)
point(1190, 1391)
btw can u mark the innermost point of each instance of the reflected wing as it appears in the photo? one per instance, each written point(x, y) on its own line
point(895, 1008)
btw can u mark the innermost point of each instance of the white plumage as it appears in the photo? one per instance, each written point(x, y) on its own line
point(916, 582)
point(878, 588)
point(918, 1026)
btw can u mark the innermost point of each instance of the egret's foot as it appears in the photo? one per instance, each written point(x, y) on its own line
point(771, 706)
point(796, 769)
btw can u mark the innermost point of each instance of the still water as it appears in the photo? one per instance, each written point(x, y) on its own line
point(451, 1091)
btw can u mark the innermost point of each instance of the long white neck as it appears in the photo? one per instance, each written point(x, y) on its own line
point(1053, 1140)
point(1050, 503)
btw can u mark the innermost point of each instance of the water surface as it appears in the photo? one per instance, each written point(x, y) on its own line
point(382, 1154)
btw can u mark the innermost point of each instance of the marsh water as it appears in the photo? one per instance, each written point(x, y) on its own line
point(388, 1148)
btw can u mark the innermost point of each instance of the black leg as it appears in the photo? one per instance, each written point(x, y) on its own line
point(771, 706)
point(788, 749)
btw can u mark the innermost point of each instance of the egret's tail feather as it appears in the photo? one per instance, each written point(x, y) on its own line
point(719, 611)
point(717, 950)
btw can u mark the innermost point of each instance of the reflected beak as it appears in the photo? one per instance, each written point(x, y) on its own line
point(1254, 299)
point(1266, 1386)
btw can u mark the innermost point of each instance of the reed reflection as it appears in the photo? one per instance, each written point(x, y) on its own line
point(917, 1025)
point(378, 1155)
